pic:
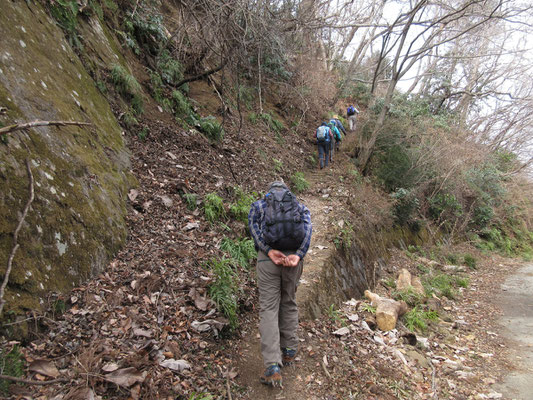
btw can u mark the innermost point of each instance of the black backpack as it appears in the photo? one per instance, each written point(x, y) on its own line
point(284, 225)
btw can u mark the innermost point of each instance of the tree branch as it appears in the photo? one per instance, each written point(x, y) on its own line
point(26, 125)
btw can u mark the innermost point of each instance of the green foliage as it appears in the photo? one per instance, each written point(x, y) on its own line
point(214, 208)
point(247, 96)
point(441, 284)
point(445, 207)
point(223, 291)
point(11, 364)
point(462, 281)
point(417, 319)
point(211, 128)
point(335, 315)
point(486, 181)
point(278, 165)
point(368, 308)
point(361, 93)
point(191, 199)
point(143, 133)
point(241, 207)
point(389, 282)
point(129, 119)
point(169, 68)
point(409, 295)
point(145, 30)
point(395, 169)
point(482, 216)
point(405, 206)
point(201, 396)
point(66, 15)
point(241, 251)
point(299, 183)
point(345, 237)
point(182, 107)
point(452, 259)
point(101, 86)
point(128, 87)
point(253, 117)
point(470, 261)
point(273, 123)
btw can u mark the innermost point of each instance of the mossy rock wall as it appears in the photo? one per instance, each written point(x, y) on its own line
point(81, 174)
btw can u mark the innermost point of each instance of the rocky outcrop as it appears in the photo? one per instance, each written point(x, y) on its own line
point(81, 174)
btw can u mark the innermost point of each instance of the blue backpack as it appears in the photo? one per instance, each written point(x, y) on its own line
point(336, 133)
point(284, 224)
point(351, 110)
point(322, 134)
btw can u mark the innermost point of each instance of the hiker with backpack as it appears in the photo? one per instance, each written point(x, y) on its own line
point(323, 138)
point(352, 112)
point(281, 229)
point(335, 144)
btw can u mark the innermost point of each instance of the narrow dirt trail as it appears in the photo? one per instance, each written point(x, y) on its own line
point(516, 302)
point(321, 200)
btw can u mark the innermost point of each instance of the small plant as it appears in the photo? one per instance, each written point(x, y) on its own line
point(129, 120)
point(409, 295)
point(417, 319)
point(211, 128)
point(453, 259)
point(462, 281)
point(389, 282)
point(278, 165)
point(201, 396)
point(128, 87)
point(240, 209)
point(65, 13)
point(335, 315)
point(191, 199)
point(143, 133)
point(470, 261)
point(170, 69)
point(272, 123)
point(344, 239)
point(11, 364)
point(442, 284)
point(368, 308)
point(182, 107)
point(223, 291)
point(252, 117)
point(214, 208)
point(299, 183)
point(242, 251)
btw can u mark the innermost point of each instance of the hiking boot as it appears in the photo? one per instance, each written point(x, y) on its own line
point(288, 356)
point(272, 376)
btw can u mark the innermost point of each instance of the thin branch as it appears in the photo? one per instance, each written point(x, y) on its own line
point(32, 382)
point(26, 125)
point(15, 238)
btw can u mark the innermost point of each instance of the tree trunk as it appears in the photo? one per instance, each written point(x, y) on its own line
point(387, 310)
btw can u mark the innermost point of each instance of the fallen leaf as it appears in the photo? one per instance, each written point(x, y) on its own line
point(110, 367)
point(342, 331)
point(175, 365)
point(126, 377)
point(44, 367)
point(132, 194)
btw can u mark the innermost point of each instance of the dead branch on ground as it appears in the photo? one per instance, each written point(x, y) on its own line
point(33, 124)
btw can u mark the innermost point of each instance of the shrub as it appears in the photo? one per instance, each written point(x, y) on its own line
point(182, 107)
point(240, 209)
point(405, 206)
point(417, 319)
point(469, 261)
point(223, 291)
point(395, 169)
point(242, 251)
point(211, 128)
point(11, 363)
point(191, 199)
point(170, 69)
point(299, 183)
point(214, 208)
point(444, 206)
point(272, 122)
point(128, 87)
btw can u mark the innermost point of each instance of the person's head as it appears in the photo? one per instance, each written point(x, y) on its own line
point(324, 123)
point(335, 116)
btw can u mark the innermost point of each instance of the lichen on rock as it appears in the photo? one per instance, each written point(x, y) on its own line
point(81, 174)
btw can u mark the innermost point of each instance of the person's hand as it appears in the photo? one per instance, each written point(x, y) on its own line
point(277, 257)
point(291, 261)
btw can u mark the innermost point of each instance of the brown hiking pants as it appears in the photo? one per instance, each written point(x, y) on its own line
point(278, 311)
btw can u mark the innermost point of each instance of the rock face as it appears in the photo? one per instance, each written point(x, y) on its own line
point(81, 174)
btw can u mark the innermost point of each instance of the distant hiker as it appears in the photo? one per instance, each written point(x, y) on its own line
point(339, 124)
point(281, 229)
point(323, 138)
point(352, 112)
point(336, 133)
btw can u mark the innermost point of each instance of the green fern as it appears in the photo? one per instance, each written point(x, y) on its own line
point(242, 251)
point(214, 208)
